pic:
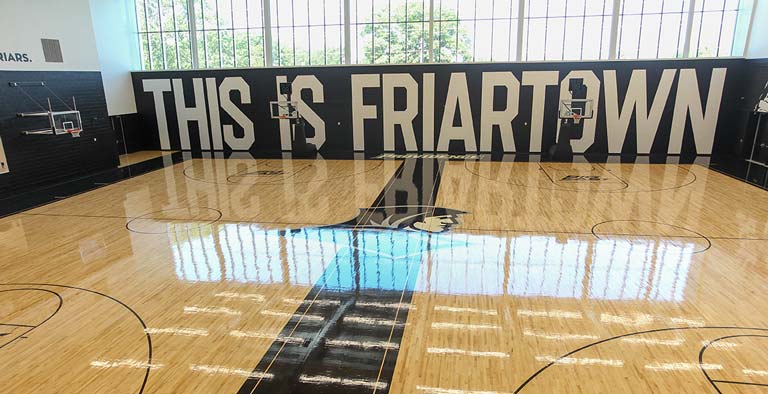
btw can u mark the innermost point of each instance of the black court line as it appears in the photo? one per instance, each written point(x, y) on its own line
point(613, 338)
point(558, 187)
point(743, 383)
point(626, 184)
point(354, 348)
point(605, 234)
point(15, 325)
point(219, 215)
point(695, 178)
point(247, 172)
point(250, 222)
point(227, 182)
point(709, 243)
point(124, 305)
point(706, 374)
point(33, 327)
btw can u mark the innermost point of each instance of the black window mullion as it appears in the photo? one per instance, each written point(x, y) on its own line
point(565, 26)
point(293, 29)
point(527, 30)
point(146, 27)
point(218, 33)
point(584, 28)
point(162, 39)
point(458, 21)
point(234, 42)
point(203, 30)
point(640, 32)
point(680, 31)
point(325, 35)
point(661, 25)
point(474, 34)
point(698, 39)
point(277, 18)
point(620, 34)
point(439, 33)
point(493, 25)
point(176, 34)
point(546, 29)
point(720, 35)
point(248, 32)
point(389, 33)
point(510, 40)
point(373, 32)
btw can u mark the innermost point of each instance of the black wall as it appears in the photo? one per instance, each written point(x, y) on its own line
point(753, 82)
point(129, 135)
point(36, 160)
point(336, 109)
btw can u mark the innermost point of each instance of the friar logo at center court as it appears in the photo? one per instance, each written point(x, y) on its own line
point(412, 218)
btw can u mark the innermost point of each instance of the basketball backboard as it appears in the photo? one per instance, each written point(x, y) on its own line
point(576, 108)
point(59, 122)
point(284, 109)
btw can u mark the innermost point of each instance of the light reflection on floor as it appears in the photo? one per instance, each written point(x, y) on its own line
point(562, 266)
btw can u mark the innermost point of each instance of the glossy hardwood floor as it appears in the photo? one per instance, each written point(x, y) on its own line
point(395, 276)
point(140, 156)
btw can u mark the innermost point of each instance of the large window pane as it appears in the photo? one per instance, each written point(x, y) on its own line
point(161, 23)
point(389, 31)
point(475, 30)
point(307, 32)
point(567, 29)
point(714, 25)
point(650, 29)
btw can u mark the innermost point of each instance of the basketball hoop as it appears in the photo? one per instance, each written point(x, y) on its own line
point(75, 133)
point(576, 118)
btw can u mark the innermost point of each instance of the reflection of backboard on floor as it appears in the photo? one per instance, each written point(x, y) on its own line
point(43, 327)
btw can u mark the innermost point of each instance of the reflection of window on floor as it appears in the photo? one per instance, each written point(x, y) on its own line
point(640, 270)
point(523, 265)
point(247, 253)
point(560, 267)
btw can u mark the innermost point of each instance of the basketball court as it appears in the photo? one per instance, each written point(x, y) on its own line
point(270, 275)
point(384, 197)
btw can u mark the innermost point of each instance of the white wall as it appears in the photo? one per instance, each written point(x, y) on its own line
point(25, 22)
point(95, 35)
point(758, 38)
point(114, 22)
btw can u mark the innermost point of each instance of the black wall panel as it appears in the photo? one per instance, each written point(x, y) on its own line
point(753, 82)
point(336, 110)
point(36, 160)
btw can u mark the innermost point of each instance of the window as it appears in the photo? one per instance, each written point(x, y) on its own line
point(307, 32)
point(707, 40)
point(229, 33)
point(567, 29)
point(164, 33)
point(475, 30)
point(650, 29)
point(389, 31)
point(184, 34)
